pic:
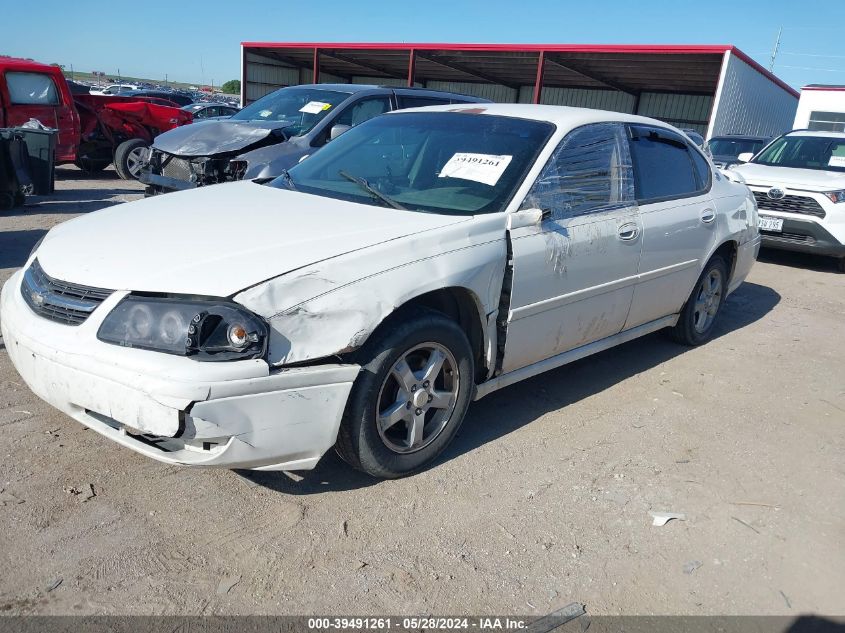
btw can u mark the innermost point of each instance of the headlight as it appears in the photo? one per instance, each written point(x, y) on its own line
point(835, 196)
point(204, 329)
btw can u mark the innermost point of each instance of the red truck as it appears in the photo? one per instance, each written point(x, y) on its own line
point(93, 130)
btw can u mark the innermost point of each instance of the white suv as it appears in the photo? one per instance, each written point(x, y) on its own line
point(799, 183)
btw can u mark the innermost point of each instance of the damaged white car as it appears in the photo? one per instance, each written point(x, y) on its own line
point(361, 301)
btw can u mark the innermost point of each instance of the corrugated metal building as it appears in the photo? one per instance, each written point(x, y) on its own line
point(711, 89)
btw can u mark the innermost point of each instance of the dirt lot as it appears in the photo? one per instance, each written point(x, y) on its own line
point(542, 500)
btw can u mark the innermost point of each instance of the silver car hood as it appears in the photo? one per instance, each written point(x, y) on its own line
point(208, 138)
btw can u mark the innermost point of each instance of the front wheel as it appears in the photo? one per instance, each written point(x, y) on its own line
point(840, 266)
point(129, 158)
point(698, 316)
point(410, 398)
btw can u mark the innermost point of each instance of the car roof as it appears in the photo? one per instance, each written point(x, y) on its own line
point(355, 88)
point(18, 63)
point(745, 137)
point(816, 133)
point(565, 116)
point(207, 104)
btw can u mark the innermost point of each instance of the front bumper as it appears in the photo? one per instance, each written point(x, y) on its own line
point(157, 183)
point(174, 409)
point(806, 236)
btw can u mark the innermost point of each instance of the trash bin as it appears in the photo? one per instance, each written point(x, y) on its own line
point(11, 194)
point(41, 147)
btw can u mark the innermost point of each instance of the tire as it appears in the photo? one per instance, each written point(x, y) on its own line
point(126, 158)
point(700, 312)
point(387, 446)
point(840, 265)
point(92, 165)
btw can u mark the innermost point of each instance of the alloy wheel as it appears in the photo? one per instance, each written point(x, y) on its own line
point(707, 301)
point(417, 398)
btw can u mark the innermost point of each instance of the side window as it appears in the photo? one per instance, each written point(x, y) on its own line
point(31, 89)
point(411, 101)
point(589, 171)
point(363, 110)
point(662, 164)
point(702, 168)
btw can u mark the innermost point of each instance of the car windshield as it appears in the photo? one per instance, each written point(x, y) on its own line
point(734, 146)
point(805, 152)
point(303, 108)
point(439, 162)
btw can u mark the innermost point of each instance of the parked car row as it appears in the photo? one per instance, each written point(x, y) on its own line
point(363, 298)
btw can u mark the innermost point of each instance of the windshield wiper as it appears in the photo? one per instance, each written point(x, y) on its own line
point(288, 180)
point(361, 182)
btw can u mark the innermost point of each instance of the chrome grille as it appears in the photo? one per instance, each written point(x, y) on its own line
point(175, 167)
point(789, 204)
point(58, 300)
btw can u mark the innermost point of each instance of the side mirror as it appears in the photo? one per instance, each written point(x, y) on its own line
point(526, 217)
point(745, 157)
point(337, 130)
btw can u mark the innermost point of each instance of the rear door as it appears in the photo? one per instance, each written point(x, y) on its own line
point(574, 275)
point(36, 95)
point(673, 182)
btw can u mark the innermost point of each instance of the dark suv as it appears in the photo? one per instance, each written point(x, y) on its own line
point(274, 133)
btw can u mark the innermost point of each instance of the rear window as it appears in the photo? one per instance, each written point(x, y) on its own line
point(662, 164)
point(31, 89)
point(419, 102)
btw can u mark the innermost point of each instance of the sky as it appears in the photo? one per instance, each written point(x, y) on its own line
point(199, 42)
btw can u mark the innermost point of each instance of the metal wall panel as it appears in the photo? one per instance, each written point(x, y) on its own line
point(264, 75)
point(680, 110)
point(380, 81)
point(748, 102)
point(494, 92)
point(612, 100)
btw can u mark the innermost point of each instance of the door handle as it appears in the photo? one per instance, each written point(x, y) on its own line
point(708, 215)
point(629, 232)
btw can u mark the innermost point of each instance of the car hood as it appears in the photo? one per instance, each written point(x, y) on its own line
point(218, 240)
point(211, 137)
point(805, 179)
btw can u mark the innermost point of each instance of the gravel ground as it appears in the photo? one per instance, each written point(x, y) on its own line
point(542, 500)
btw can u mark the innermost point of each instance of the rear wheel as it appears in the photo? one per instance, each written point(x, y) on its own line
point(840, 266)
point(129, 158)
point(698, 316)
point(410, 397)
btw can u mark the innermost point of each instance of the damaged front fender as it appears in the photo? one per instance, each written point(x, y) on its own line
point(333, 308)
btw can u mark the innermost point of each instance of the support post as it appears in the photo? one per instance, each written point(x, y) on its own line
point(315, 78)
point(538, 83)
point(412, 67)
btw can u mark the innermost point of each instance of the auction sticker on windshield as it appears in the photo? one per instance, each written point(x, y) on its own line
point(315, 107)
point(484, 168)
point(836, 161)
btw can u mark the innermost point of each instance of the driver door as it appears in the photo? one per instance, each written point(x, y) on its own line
point(574, 274)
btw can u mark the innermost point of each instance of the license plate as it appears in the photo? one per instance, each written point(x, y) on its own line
point(766, 223)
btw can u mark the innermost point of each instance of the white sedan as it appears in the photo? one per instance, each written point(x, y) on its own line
point(360, 301)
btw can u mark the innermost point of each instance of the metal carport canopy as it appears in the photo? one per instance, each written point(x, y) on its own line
point(631, 69)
